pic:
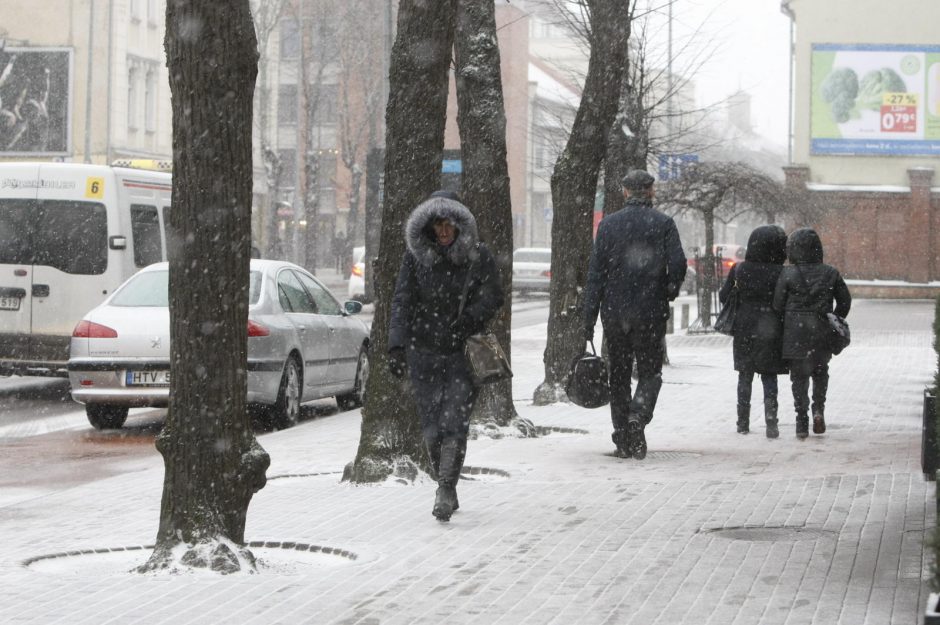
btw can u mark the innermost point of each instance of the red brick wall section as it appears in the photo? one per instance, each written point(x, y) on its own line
point(883, 235)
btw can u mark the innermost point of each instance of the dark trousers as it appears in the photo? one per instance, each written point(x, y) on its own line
point(443, 392)
point(746, 380)
point(626, 343)
point(801, 371)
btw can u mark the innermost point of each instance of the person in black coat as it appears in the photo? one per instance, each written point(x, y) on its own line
point(758, 328)
point(427, 337)
point(805, 293)
point(636, 268)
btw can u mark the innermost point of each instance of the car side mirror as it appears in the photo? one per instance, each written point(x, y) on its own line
point(352, 307)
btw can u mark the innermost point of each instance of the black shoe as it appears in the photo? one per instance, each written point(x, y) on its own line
point(622, 441)
point(772, 431)
point(802, 427)
point(444, 503)
point(770, 418)
point(637, 440)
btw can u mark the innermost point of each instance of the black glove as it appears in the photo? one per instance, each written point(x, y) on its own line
point(397, 365)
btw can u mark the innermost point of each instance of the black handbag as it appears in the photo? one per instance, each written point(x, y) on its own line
point(839, 334)
point(486, 358)
point(725, 321)
point(588, 383)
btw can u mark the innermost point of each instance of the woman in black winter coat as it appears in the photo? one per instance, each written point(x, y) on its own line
point(805, 294)
point(757, 327)
point(427, 336)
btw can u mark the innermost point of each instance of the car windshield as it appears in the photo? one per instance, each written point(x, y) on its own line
point(151, 288)
point(532, 256)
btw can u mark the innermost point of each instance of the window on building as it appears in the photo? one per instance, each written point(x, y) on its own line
point(290, 39)
point(133, 97)
point(152, 15)
point(287, 104)
point(150, 101)
point(327, 104)
point(137, 9)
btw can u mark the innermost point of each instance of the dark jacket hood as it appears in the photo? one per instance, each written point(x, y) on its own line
point(767, 244)
point(804, 246)
point(419, 232)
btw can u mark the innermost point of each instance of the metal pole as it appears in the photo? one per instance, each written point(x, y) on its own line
point(88, 81)
point(790, 102)
point(110, 74)
point(669, 83)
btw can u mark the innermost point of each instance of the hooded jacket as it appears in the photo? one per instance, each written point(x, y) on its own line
point(637, 266)
point(431, 280)
point(805, 293)
point(758, 328)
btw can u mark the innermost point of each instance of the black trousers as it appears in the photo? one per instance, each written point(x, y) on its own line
point(745, 382)
point(641, 343)
point(801, 371)
point(444, 394)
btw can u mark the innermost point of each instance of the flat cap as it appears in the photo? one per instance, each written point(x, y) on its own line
point(637, 180)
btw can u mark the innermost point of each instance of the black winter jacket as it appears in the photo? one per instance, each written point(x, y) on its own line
point(636, 268)
point(431, 279)
point(758, 328)
point(805, 293)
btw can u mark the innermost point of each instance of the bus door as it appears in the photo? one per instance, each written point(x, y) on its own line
point(17, 205)
point(71, 272)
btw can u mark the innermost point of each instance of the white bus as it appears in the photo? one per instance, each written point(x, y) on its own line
point(69, 235)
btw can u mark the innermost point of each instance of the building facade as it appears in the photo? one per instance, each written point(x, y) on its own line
point(866, 133)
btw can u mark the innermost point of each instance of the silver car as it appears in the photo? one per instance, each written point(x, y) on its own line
point(532, 269)
point(302, 345)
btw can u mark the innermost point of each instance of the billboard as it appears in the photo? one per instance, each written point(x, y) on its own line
point(874, 99)
point(35, 102)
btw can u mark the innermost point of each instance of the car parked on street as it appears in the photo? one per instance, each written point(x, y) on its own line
point(532, 269)
point(302, 345)
point(356, 289)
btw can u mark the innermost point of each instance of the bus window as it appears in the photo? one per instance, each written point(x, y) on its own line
point(16, 231)
point(145, 231)
point(71, 236)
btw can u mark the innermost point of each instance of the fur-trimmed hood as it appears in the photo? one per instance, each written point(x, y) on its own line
point(419, 232)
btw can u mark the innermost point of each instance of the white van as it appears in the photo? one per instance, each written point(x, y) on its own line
point(69, 235)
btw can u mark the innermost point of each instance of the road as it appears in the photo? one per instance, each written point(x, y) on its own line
point(46, 443)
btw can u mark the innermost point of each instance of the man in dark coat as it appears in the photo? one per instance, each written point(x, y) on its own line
point(804, 294)
point(637, 267)
point(758, 328)
point(427, 337)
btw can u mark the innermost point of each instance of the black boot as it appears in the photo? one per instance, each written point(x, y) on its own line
point(445, 501)
point(433, 448)
point(744, 418)
point(622, 440)
point(802, 425)
point(819, 420)
point(637, 439)
point(770, 418)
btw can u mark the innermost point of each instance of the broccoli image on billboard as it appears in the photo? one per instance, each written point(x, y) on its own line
point(34, 100)
point(875, 99)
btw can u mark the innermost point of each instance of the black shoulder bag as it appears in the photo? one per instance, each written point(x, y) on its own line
point(725, 321)
point(488, 362)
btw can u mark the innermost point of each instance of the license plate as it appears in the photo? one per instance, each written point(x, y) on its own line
point(9, 303)
point(147, 378)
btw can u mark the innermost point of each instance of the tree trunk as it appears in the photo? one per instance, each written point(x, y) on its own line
point(213, 463)
point(574, 187)
point(481, 119)
point(311, 239)
point(710, 275)
point(417, 108)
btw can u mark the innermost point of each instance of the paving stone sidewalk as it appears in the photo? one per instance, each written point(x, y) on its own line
point(712, 528)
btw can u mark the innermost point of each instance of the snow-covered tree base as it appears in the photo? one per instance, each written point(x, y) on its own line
point(518, 428)
point(401, 469)
point(219, 555)
point(549, 393)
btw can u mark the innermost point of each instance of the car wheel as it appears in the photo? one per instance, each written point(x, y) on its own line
point(358, 396)
point(104, 417)
point(286, 409)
